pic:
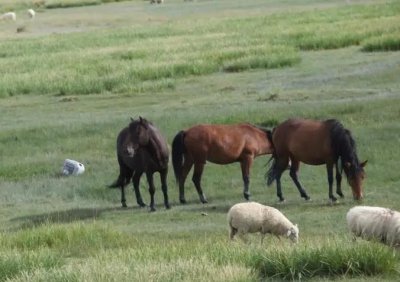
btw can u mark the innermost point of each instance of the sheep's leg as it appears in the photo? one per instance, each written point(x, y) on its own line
point(329, 170)
point(245, 165)
point(294, 167)
point(338, 181)
point(198, 171)
point(262, 238)
point(232, 232)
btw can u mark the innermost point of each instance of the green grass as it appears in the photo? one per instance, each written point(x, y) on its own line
point(330, 260)
point(74, 78)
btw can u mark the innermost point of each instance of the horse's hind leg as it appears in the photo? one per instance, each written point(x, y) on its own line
point(198, 171)
point(338, 181)
point(293, 174)
point(164, 187)
point(136, 182)
point(187, 165)
point(152, 189)
point(245, 166)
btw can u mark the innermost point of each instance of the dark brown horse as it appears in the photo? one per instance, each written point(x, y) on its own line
point(219, 144)
point(315, 143)
point(141, 149)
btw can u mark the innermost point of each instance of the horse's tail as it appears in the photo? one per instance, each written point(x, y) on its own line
point(271, 173)
point(178, 150)
point(115, 184)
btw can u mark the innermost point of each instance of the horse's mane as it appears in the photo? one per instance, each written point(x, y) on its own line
point(344, 146)
point(267, 131)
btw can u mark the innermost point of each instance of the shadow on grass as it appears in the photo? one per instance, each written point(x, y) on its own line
point(66, 216)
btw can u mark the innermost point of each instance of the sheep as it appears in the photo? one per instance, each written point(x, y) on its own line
point(252, 217)
point(375, 223)
point(156, 1)
point(9, 16)
point(31, 13)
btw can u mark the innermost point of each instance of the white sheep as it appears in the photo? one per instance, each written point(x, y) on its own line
point(375, 223)
point(9, 16)
point(31, 13)
point(252, 217)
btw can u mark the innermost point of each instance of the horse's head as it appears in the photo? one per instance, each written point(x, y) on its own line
point(138, 135)
point(355, 176)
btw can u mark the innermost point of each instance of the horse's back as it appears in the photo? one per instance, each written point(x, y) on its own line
point(304, 140)
point(222, 144)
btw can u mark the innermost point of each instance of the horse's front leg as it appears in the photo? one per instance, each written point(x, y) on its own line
point(338, 181)
point(152, 189)
point(245, 165)
point(136, 182)
point(329, 170)
point(197, 173)
point(123, 199)
point(294, 167)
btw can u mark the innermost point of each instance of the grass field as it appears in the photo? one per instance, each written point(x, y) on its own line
point(74, 77)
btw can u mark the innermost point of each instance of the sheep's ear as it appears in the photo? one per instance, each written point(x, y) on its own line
point(288, 233)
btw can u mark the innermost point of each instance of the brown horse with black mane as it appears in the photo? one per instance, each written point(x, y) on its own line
point(315, 143)
point(219, 144)
point(141, 149)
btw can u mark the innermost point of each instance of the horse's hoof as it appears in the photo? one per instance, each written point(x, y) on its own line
point(152, 209)
point(204, 201)
point(307, 198)
point(281, 201)
point(167, 206)
point(142, 205)
point(182, 201)
point(124, 205)
point(247, 196)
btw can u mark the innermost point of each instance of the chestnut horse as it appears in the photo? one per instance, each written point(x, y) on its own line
point(315, 143)
point(141, 149)
point(219, 144)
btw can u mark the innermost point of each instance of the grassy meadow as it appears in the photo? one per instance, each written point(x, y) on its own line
point(71, 79)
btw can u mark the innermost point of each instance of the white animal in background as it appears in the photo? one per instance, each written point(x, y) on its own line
point(31, 13)
point(156, 1)
point(8, 16)
point(252, 217)
point(375, 223)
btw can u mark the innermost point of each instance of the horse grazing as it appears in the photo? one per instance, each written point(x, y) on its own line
point(219, 144)
point(315, 143)
point(141, 149)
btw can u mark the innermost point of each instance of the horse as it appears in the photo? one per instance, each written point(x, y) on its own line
point(141, 149)
point(219, 144)
point(315, 143)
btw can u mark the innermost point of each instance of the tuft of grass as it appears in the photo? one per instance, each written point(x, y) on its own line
point(329, 260)
point(386, 42)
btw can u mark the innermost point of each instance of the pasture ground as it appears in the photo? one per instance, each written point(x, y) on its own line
point(73, 229)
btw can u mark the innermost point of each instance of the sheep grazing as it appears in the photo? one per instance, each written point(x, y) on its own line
point(8, 16)
point(156, 1)
point(31, 13)
point(252, 217)
point(375, 223)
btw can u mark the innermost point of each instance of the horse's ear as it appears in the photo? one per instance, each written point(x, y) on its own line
point(364, 163)
point(131, 119)
point(143, 121)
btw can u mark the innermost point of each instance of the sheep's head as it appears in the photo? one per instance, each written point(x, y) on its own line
point(293, 233)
